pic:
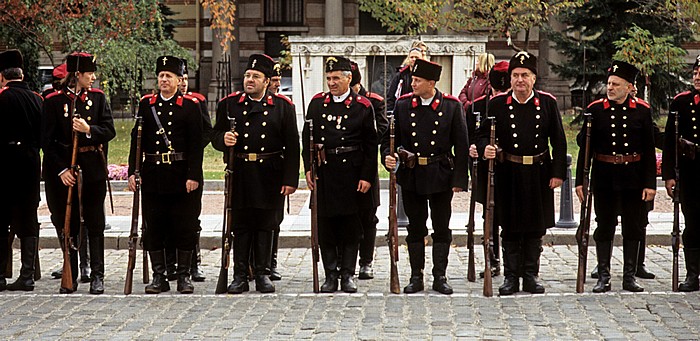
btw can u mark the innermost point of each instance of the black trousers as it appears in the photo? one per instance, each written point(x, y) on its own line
point(251, 220)
point(171, 220)
point(629, 205)
point(416, 206)
point(369, 221)
point(93, 202)
point(691, 233)
point(337, 231)
point(21, 218)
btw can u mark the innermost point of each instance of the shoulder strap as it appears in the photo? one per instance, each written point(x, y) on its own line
point(161, 131)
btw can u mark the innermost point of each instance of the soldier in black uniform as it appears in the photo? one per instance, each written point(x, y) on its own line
point(19, 142)
point(527, 122)
point(499, 81)
point(369, 201)
point(59, 73)
point(429, 124)
point(171, 174)
point(623, 171)
point(265, 170)
point(687, 105)
point(170, 253)
point(276, 79)
point(344, 125)
point(401, 83)
point(95, 128)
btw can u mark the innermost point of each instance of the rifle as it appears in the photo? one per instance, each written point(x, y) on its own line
point(226, 237)
point(582, 234)
point(134, 232)
point(393, 235)
point(67, 277)
point(488, 220)
point(471, 271)
point(675, 235)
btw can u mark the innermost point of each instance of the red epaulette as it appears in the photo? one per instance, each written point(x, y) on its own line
point(682, 94)
point(596, 102)
point(231, 95)
point(95, 90)
point(642, 102)
point(191, 98)
point(372, 95)
point(479, 99)
point(53, 94)
point(547, 94)
point(3, 89)
point(284, 98)
point(448, 96)
point(198, 96)
point(319, 95)
point(403, 69)
point(408, 95)
point(364, 101)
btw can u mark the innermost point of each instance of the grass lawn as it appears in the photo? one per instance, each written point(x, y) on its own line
point(214, 166)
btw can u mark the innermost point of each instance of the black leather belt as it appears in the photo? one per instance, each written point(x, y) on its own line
point(164, 157)
point(526, 159)
point(617, 159)
point(341, 150)
point(86, 149)
point(426, 160)
point(257, 156)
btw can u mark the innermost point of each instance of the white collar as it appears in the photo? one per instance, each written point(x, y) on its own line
point(527, 100)
point(169, 98)
point(427, 101)
point(342, 97)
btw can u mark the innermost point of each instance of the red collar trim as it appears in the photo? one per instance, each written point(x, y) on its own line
point(537, 101)
point(436, 103)
point(179, 100)
point(696, 98)
point(414, 102)
point(348, 100)
point(242, 98)
point(327, 99)
point(632, 104)
point(606, 104)
point(509, 100)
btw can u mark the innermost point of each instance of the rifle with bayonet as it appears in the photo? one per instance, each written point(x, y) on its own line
point(134, 231)
point(583, 232)
point(226, 236)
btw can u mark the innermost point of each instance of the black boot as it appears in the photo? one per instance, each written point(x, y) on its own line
point(171, 263)
point(692, 268)
point(441, 252)
point(25, 281)
point(366, 250)
point(274, 274)
point(532, 248)
point(84, 258)
point(329, 255)
point(630, 251)
point(416, 256)
point(196, 268)
point(511, 268)
point(160, 281)
point(241, 252)
point(184, 284)
point(347, 268)
point(642, 271)
point(263, 251)
point(603, 253)
point(97, 264)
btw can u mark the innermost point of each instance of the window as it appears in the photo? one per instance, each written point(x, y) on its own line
point(284, 12)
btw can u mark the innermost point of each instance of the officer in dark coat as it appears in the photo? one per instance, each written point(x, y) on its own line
point(343, 124)
point(527, 122)
point(623, 171)
point(170, 253)
point(20, 109)
point(59, 73)
point(429, 125)
point(95, 128)
point(171, 173)
point(265, 169)
point(499, 80)
point(686, 106)
point(370, 201)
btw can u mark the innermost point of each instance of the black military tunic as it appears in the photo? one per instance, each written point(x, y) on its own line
point(476, 112)
point(400, 85)
point(19, 142)
point(687, 104)
point(619, 130)
point(169, 211)
point(267, 152)
point(336, 125)
point(382, 126)
point(433, 133)
point(57, 143)
point(524, 202)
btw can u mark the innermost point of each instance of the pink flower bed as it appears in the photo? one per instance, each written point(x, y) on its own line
point(658, 164)
point(118, 172)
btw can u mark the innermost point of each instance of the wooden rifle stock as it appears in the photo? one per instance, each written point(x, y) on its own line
point(67, 277)
point(675, 235)
point(134, 231)
point(226, 236)
point(488, 220)
point(583, 232)
point(393, 233)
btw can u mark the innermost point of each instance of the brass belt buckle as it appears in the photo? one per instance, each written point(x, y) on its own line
point(528, 160)
point(165, 158)
point(619, 159)
point(253, 157)
point(423, 161)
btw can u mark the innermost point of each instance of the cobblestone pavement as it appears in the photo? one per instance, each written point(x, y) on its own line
point(373, 313)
